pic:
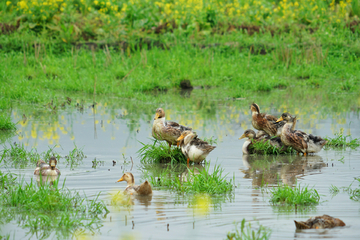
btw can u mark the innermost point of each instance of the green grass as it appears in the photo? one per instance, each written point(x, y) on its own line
point(199, 182)
point(297, 195)
point(6, 124)
point(47, 208)
point(245, 231)
point(158, 152)
point(264, 148)
point(353, 193)
point(341, 140)
point(18, 156)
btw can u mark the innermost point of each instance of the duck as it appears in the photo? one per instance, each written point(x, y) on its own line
point(131, 188)
point(193, 147)
point(47, 169)
point(320, 222)
point(266, 122)
point(168, 131)
point(260, 136)
point(299, 140)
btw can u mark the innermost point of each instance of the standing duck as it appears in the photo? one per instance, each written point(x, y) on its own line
point(299, 140)
point(168, 131)
point(142, 189)
point(320, 222)
point(47, 169)
point(260, 136)
point(265, 122)
point(193, 147)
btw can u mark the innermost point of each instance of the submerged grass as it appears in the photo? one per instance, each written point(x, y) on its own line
point(199, 182)
point(246, 232)
point(158, 152)
point(296, 195)
point(265, 148)
point(46, 208)
point(341, 140)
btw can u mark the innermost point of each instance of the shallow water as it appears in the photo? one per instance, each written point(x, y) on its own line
point(115, 134)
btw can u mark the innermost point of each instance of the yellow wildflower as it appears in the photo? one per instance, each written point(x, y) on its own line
point(8, 3)
point(96, 2)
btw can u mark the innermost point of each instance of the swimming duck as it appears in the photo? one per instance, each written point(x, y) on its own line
point(142, 189)
point(168, 131)
point(260, 136)
point(299, 140)
point(320, 222)
point(265, 122)
point(47, 169)
point(193, 147)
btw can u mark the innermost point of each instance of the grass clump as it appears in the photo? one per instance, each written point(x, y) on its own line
point(158, 152)
point(47, 208)
point(19, 156)
point(341, 140)
point(294, 195)
point(245, 231)
point(75, 156)
point(199, 182)
point(354, 193)
point(6, 124)
point(265, 148)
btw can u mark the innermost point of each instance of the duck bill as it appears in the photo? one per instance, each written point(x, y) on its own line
point(156, 116)
point(120, 180)
point(242, 136)
point(280, 119)
point(180, 138)
point(52, 164)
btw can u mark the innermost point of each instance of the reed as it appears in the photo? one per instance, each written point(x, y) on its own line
point(244, 231)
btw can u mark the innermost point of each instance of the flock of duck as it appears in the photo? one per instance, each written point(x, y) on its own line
point(279, 132)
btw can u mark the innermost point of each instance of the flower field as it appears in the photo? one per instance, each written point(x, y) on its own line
point(73, 20)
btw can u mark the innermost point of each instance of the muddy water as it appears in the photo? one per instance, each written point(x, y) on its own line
point(110, 134)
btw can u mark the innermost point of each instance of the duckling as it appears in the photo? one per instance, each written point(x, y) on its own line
point(265, 122)
point(320, 222)
point(193, 147)
point(142, 189)
point(299, 140)
point(168, 131)
point(47, 169)
point(260, 136)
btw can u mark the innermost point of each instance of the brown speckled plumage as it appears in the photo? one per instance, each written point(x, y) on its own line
point(319, 222)
point(265, 122)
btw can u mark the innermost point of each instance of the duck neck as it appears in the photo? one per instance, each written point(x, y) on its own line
point(246, 146)
point(160, 121)
point(287, 127)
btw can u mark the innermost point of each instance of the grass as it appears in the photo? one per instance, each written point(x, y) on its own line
point(245, 231)
point(6, 124)
point(47, 208)
point(264, 148)
point(353, 193)
point(19, 157)
point(158, 152)
point(341, 140)
point(297, 195)
point(199, 182)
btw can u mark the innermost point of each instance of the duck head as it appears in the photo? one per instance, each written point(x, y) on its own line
point(249, 134)
point(183, 137)
point(255, 108)
point(287, 118)
point(128, 177)
point(52, 163)
point(160, 113)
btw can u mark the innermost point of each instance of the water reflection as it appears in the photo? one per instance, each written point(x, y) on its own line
point(273, 170)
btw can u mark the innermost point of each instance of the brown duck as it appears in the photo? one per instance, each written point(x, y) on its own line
point(47, 169)
point(142, 189)
point(265, 122)
point(320, 222)
point(168, 131)
point(299, 140)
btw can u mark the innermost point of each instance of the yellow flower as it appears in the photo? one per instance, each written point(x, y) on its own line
point(96, 2)
point(8, 3)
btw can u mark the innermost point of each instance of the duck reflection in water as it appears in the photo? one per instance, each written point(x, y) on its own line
point(272, 170)
point(189, 172)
